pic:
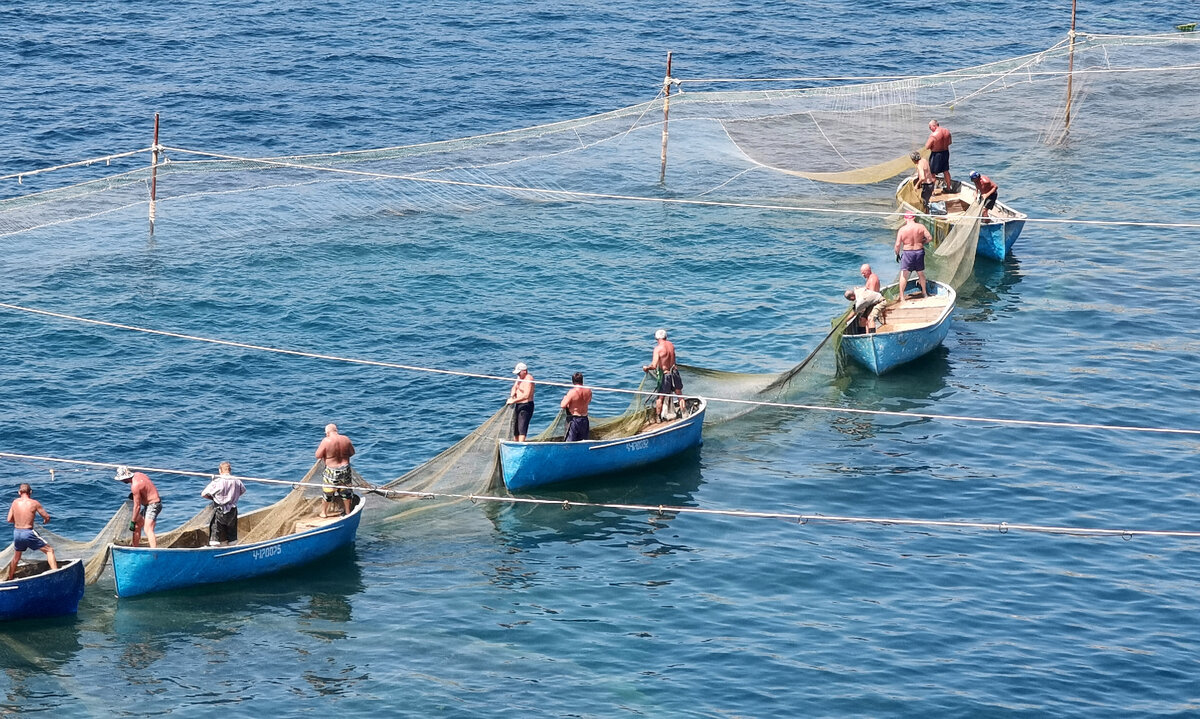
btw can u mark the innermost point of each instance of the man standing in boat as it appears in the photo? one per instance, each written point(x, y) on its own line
point(147, 505)
point(224, 491)
point(21, 514)
point(521, 397)
point(910, 250)
point(938, 145)
point(924, 178)
point(575, 404)
point(336, 450)
point(988, 191)
point(662, 362)
point(869, 277)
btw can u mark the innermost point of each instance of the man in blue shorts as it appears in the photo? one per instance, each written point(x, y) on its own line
point(938, 145)
point(910, 251)
point(21, 515)
point(521, 398)
point(575, 404)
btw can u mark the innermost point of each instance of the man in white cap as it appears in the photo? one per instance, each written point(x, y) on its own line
point(521, 397)
point(147, 505)
point(910, 251)
point(662, 363)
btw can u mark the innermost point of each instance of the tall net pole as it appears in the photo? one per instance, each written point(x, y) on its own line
point(153, 174)
point(1070, 67)
point(662, 173)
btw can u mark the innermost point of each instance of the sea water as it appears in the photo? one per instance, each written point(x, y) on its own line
point(497, 610)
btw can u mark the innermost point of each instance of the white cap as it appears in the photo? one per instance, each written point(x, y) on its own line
point(660, 335)
point(520, 368)
point(123, 474)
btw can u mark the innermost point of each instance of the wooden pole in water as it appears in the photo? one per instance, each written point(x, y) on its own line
point(1070, 67)
point(154, 174)
point(662, 173)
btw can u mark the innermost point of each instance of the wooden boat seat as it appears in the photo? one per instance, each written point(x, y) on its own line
point(913, 313)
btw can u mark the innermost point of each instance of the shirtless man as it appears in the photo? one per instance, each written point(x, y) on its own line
point(20, 516)
point(336, 450)
point(924, 178)
point(663, 364)
point(910, 248)
point(869, 277)
point(938, 145)
point(575, 403)
point(521, 397)
point(147, 505)
point(988, 191)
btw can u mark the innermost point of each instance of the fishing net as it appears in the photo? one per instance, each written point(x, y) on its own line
point(775, 145)
point(93, 552)
point(779, 147)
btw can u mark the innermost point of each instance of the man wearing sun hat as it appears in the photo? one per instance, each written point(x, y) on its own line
point(521, 398)
point(147, 505)
point(910, 250)
point(662, 363)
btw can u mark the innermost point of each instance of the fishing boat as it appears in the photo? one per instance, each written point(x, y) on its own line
point(38, 591)
point(189, 561)
point(909, 331)
point(996, 236)
point(530, 464)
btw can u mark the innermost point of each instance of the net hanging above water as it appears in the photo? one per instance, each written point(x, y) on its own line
point(744, 146)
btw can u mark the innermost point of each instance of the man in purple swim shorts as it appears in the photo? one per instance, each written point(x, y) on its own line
point(910, 251)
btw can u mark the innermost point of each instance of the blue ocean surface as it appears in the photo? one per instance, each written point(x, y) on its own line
point(482, 609)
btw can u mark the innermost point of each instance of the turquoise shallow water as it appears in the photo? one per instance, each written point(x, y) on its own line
point(507, 611)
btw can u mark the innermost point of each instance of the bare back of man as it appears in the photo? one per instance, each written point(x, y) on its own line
point(146, 505)
point(21, 514)
point(336, 450)
point(910, 245)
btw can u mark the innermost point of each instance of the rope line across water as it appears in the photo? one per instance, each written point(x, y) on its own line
point(617, 390)
point(660, 509)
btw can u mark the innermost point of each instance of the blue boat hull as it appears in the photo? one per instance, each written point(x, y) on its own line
point(49, 594)
point(140, 570)
point(996, 238)
point(534, 464)
point(884, 351)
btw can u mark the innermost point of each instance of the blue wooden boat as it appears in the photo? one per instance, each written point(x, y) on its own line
point(37, 591)
point(526, 465)
point(996, 237)
point(909, 331)
point(140, 570)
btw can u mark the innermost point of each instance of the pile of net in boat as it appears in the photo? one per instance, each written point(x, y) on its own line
point(303, 501)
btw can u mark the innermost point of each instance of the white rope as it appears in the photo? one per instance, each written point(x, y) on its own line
point(1002, 527)
point(476, 375)
point(952, 75)
point(80, 163)
point(670, 200)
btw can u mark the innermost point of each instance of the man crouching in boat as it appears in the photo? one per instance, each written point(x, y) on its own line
point(575, 404)
point(21, 515)
point(662, 362)
point(924, 179)
point(147, 505)
point(868, 307)
point(224, 491)
point(336, 450)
